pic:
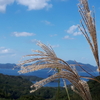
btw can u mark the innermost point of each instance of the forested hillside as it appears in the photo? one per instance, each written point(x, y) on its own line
point(17, 88)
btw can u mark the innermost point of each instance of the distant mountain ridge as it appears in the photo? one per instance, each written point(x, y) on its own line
point(81, 66)
point(7, 66)
point(87, 67)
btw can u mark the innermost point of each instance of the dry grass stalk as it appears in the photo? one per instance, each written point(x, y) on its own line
point(89, 28)
point(48, 59)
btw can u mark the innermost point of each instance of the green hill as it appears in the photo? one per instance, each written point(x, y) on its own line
point(13, 87)
point(18, 87)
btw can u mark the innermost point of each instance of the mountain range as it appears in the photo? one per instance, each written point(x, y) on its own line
point(82, 67)
point(79, 66)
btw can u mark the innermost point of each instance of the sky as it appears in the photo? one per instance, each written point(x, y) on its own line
point(53, 22)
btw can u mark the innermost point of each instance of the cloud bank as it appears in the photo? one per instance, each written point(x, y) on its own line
point(31, 4)
point(35, 4)
point(4, 3)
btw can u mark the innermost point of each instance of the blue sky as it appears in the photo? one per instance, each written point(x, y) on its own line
point(53, 22)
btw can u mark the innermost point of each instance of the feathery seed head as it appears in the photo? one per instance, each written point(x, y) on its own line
point(48, 59)
point(89, 28)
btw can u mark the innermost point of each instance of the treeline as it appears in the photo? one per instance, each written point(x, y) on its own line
point(18, 87)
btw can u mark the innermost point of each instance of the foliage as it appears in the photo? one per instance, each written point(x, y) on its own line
point(10, 90)
point(30, 97)
point(13, 86)
point(95, 88)
point(32, 78)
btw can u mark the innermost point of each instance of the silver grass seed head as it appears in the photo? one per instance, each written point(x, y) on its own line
point(75, 90)
point(32, 91)
point(48, 49)
point(72, 87)
point(84, 84)
point(88, 15)
point(82, 1)
point(98, 69)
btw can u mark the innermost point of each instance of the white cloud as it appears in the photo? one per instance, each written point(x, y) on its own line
point(67, 37)
point(47, 22)
point(31, 4)
point(19, 34)
point(74, 30)
point(4, 3)
point(35, 4)
point(4, 50)
point(77, 33)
